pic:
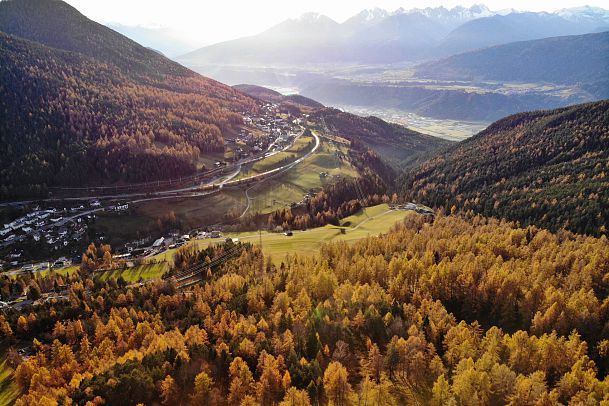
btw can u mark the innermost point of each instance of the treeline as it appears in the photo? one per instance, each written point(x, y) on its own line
point(66, 119)
point(338, 200)
point(342, 197)
point(547, 168)
point(458, 311)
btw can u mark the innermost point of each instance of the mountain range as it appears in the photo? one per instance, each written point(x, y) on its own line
point(379, 36)
point(84, 105)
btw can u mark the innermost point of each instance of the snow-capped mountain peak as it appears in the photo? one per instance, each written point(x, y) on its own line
point(452, 17)
point(368, 17)
point(584, 13)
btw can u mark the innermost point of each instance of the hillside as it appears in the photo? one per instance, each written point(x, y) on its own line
point(546, 168)
point(124, 113)
point(561, 60)
point(311, 38)
point(270, 95)
point(449, 312)
point(395, 143)
point(372, 36)
point(57, 24)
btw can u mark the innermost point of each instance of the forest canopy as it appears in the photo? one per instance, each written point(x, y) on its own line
point(459, 311)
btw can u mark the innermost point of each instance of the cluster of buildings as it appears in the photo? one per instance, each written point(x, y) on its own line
point(26, 224)
point(147, 247)
point(278, 132)
point(414, 207)
point(57, 228)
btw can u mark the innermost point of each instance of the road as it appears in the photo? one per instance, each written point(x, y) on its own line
point(224, 180)
point(165, 193)
point(276, 171)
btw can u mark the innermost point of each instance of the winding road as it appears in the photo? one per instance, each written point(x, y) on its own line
point(172, 193)
point(273, 172)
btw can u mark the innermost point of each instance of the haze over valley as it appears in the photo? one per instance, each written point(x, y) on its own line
point(405, 60)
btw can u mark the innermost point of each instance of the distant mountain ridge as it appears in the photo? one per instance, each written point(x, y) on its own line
point(454, 17)
point(380, 36)
point(504, 29)
point(582, 59)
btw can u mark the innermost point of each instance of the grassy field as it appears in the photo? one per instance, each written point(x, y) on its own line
point(151, 269)
point(371, 221)
point(304, 143)
point(8, 388)
point(61, 271)
point(139, 273)
point(302, 179)
point(301, 146)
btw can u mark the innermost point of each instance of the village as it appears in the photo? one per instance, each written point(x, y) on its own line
point(271, 131)
point(124, 257)
point(62, 229)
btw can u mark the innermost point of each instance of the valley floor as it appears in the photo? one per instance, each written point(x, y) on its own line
point(451, 130)
point(370, 221)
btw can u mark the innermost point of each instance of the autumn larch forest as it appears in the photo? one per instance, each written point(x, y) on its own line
point(310, 254)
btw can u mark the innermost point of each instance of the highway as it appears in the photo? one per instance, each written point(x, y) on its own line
point(170, 193)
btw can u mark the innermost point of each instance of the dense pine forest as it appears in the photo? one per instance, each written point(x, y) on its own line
point(546, 168)
point(91, 106)
point(457, 311)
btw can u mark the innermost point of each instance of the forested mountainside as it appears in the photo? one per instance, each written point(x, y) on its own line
point(70, 119)
point(578, 59)
point(547, 168)
point(395, 143)
point(458, 311)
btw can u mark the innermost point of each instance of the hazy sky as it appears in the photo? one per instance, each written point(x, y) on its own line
point(209, 21)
